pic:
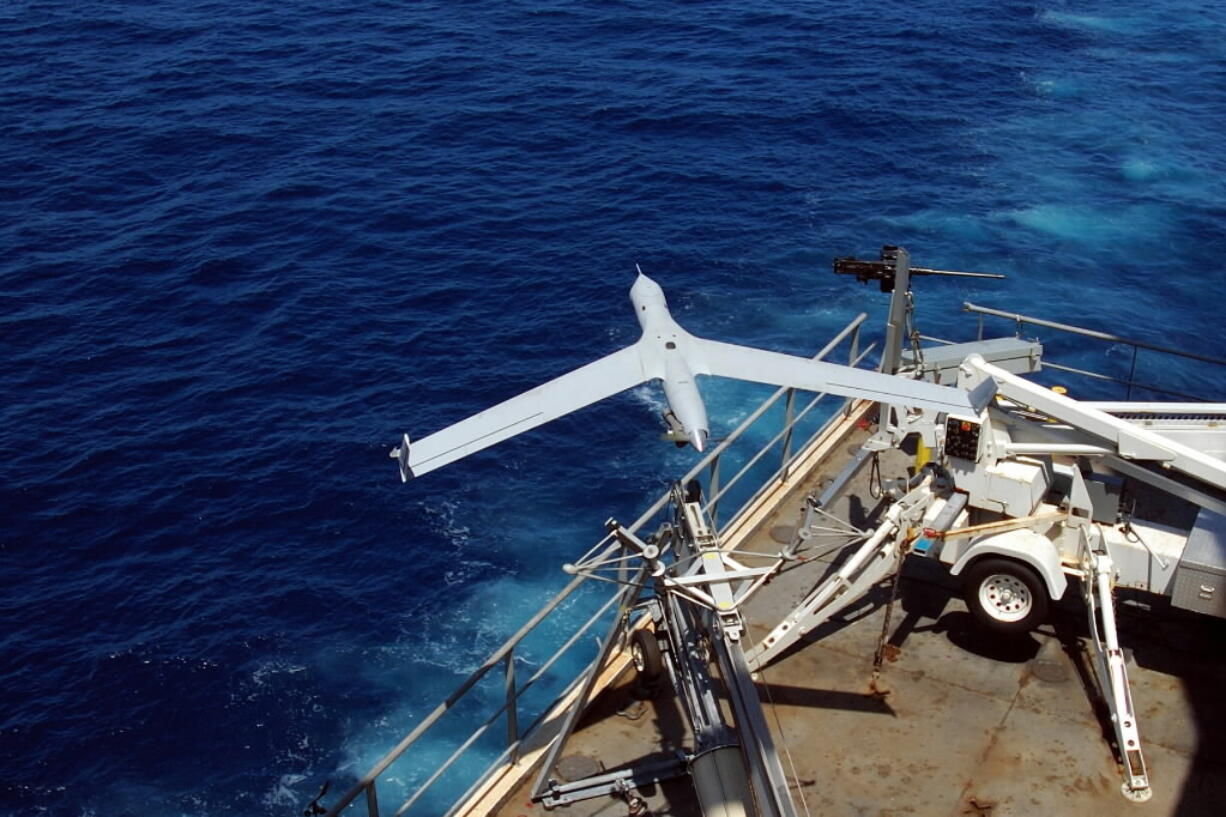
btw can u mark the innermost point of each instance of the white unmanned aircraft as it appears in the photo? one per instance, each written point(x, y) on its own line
point(668, 353)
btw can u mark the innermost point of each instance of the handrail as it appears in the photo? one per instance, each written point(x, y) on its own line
point(756, 458)
point(1130, 382)
point(505, 654)
point(506, 707)
point(711, 461)
point(1048, 363)
point(1019, 318)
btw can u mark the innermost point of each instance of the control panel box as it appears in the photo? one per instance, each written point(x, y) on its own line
point(962, 438)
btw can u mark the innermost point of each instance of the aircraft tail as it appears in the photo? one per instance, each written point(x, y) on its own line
point(401, 454)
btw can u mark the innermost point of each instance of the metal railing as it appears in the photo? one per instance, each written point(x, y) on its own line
point(504, 657)
point(1129, 383)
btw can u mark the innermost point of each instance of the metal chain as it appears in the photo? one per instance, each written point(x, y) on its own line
point(879, 656)
point(914, 335)
point(875, 487)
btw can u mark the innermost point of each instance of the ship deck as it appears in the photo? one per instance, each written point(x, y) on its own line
point(971, 723)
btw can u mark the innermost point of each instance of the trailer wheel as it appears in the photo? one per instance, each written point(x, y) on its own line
point(645, 653)
point(1005, 595)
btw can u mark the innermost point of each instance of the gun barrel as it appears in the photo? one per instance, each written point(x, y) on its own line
point(954, 273)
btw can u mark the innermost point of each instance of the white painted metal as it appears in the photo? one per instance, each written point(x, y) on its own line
point(1201, 426)
point(1010, 486)
point(1005, 597)
point(1129, 440)
point(721, 784)
point(1146, 554)
point(879, 556)
point(1023, 545)
point(1113, 675)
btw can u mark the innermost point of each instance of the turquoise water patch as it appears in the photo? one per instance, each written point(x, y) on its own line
point(1058, 87)
point(1124, 24)
point(1093, 225)
point(945, 225)
point(1142, 170)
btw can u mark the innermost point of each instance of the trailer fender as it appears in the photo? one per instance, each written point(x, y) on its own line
point(1024, 546)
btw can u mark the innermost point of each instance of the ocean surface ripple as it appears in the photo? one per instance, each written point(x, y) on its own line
point(247, 245)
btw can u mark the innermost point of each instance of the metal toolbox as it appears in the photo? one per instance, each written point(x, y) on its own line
point(1200, 579)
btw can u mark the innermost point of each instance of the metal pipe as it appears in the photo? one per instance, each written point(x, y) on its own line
point(788, 422)
point(1067, 449)
point(372, 800)
point(512, 707)
point(967, 306)
point(955, 273)
point(891, 352)
point(1132, 373)
point(1047, 364)
point(441, 770)
point(754, 460)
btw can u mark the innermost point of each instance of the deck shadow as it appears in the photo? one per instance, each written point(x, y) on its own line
point(786, 695)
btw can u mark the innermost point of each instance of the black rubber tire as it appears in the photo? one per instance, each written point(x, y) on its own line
point(1005, 595)
point(645, 652)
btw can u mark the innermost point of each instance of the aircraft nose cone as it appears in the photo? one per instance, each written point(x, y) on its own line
point(698, 439)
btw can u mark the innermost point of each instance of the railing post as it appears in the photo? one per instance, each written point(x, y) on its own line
point(512, 708)
point(713, 491)
point(372, 800)
point(1132, 373)
point(623, 568)
point(855, 346)
point(789, 413)
point(980, 326)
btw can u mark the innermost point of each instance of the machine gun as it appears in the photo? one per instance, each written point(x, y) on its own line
point(895, 265)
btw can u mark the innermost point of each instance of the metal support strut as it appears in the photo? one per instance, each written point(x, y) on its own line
point(877, 558)
point(698, 589)
point(1098, 588)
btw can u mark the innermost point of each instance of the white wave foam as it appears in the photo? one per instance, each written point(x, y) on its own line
point(1078, 222)
point(1091, 22)
point(282, 793)
point(651, 397)
point(442, 518)
point(275, 666)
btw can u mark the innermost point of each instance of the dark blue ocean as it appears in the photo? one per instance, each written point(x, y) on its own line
point(243, 247)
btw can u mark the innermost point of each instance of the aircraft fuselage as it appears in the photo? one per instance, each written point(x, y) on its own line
point(665, 346)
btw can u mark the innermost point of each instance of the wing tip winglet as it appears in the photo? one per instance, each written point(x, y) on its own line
point(401, 454)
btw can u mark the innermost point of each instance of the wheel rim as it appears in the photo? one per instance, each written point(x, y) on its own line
point(1005, 597)
point(636, 655)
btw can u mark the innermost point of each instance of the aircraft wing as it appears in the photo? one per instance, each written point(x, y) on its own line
point(574, 390)
point(776, 369)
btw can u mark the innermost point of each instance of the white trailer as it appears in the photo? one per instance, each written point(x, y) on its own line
point(1024, 500)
